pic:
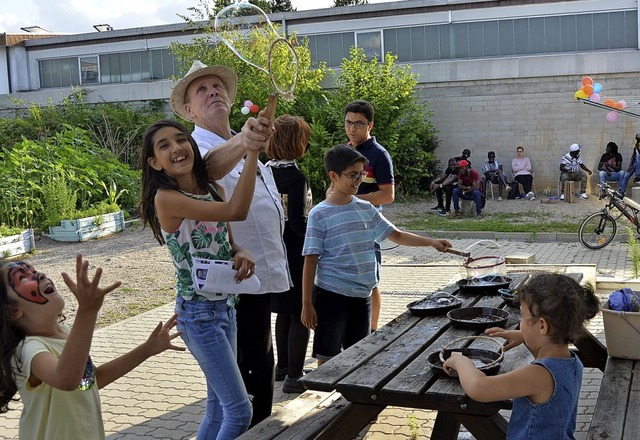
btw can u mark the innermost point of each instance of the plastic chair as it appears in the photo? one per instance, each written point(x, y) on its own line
point(488, 185)
point(533, 182)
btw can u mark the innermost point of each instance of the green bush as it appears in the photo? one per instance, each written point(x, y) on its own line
point(401, 123)
point(59, 200)
point(6, 231)
point(117, 127)
point(37, 174)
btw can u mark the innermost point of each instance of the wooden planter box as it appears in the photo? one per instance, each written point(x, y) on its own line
point(17, 244)
point(83, 229)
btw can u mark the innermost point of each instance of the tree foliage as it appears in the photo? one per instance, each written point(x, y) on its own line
point(268, 6)
point(253, 84)
point(401, 124)
point(337, 3)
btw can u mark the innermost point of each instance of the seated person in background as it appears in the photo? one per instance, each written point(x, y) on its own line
point(445, 183)
point(494, 173)
point(469, 188)
point(634, 166)
point(610, 166)
point(466, 153)
point(521, 169)
point(570, 166)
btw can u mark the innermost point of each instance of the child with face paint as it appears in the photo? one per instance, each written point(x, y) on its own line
point(48, 362)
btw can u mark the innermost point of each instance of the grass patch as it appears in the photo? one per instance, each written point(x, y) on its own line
point(530, 221)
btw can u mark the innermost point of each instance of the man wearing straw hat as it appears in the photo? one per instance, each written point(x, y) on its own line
point(205, 96)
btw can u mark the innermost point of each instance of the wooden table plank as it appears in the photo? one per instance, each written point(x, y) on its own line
point(353, 419)
point(611, 407)
point(331, 372)
point(363, 385)
point(632, 420)
point(591, 351)
point(306, 412)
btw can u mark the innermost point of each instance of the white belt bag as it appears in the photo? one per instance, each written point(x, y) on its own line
point(213, 277)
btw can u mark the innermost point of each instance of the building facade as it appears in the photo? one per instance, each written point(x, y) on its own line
point(495, 74)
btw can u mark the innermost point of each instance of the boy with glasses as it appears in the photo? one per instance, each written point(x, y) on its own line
point(377, 185)
point(340, 267)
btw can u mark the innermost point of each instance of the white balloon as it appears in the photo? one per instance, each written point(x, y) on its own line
point(244, 110)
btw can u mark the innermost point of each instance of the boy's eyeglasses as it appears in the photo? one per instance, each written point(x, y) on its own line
point(357, 124)
point(355, 176)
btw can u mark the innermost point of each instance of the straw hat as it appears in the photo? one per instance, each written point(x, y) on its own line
point(197, 70)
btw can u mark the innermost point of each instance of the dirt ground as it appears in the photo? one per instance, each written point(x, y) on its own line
point(146, 272)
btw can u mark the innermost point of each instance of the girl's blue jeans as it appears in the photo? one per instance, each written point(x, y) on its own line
point(627, 176)
point(209, 331)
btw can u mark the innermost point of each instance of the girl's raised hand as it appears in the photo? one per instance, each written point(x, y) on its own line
point(513, 337)
point(160, 338)
point(87, 291)
point(244, 264)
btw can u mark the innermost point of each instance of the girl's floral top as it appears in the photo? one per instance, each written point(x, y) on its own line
point(196, 239)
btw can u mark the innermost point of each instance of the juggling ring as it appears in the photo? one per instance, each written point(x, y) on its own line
point(270, 110)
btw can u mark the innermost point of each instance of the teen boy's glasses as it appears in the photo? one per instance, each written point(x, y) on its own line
point(357, 124)
point(355, 176)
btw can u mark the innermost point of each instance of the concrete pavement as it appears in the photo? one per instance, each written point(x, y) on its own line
point(164, 397)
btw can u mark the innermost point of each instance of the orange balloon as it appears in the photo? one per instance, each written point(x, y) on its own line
point(618, 105)
point(587, 80)
point(588, 89)
point(608, 102)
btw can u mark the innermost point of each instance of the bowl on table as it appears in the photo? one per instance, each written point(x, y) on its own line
point(478, 318)
point(436, 303)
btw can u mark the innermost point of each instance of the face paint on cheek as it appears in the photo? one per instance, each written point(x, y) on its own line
point(23, 279)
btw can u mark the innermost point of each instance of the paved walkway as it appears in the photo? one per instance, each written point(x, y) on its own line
point(164, 398)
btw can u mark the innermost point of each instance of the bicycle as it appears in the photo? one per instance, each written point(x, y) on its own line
point(599, 229)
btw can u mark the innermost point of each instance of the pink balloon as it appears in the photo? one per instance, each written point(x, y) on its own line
point(624, 104)
point(612, 116)
point(595, 97)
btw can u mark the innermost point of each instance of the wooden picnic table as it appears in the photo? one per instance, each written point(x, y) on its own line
point(389, 368)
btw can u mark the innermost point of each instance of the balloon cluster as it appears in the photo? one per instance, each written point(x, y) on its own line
point(591, 91)
point(249, 107)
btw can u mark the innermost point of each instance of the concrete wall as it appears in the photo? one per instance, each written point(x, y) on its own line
point(537, 112)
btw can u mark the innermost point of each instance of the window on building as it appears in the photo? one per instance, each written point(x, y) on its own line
point(371, 43)
point(61, 72)
point(330, 48)
point(89, 70)
point(522, 36)
point(110, 68)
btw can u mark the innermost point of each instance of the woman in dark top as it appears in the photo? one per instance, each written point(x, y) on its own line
point(288, 144)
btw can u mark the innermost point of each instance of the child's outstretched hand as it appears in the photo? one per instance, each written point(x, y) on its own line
point(88, 291)
point(160, 338)
point(441, 245)
point(513, 337)
point(454, 362)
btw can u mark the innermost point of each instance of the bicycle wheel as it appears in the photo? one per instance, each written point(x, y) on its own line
point(597, 230)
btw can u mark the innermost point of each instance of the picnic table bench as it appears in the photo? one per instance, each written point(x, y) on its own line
point(617, 412)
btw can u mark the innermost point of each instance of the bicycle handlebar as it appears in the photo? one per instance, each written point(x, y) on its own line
point(610, 191)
